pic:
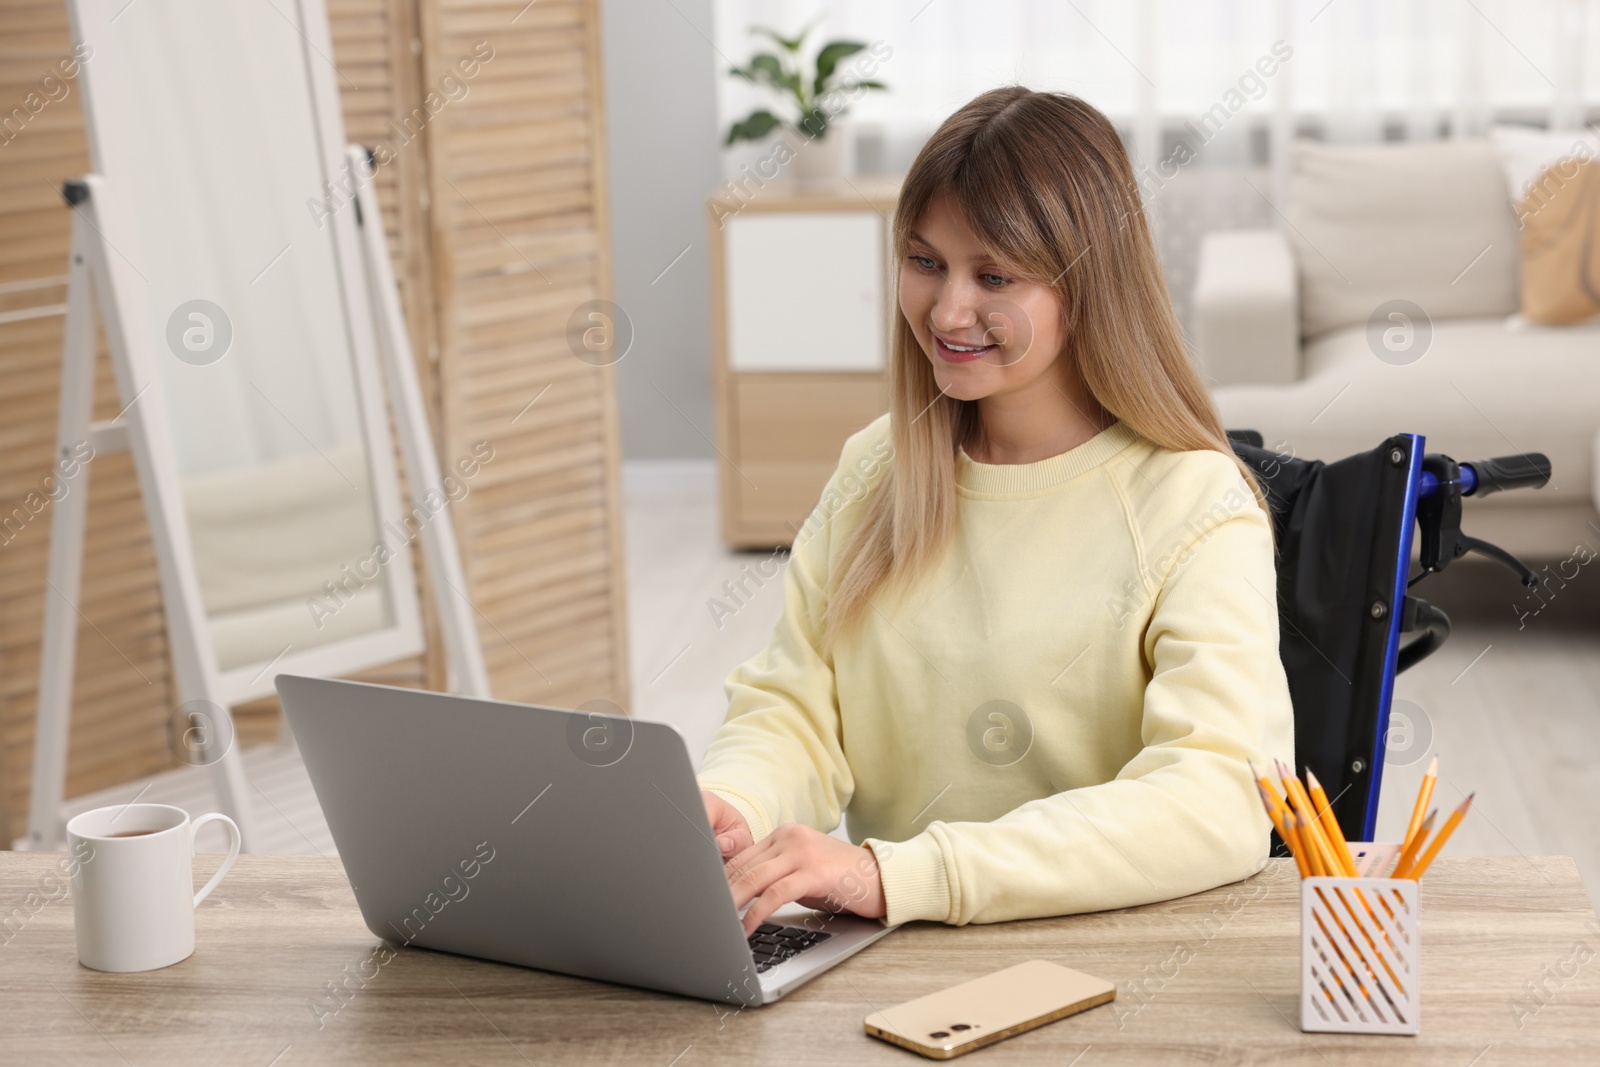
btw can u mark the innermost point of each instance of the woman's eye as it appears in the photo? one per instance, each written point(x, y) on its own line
point(923, 262)
point(994, 281)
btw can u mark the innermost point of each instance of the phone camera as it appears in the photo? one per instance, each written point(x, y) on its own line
point(960, 1026)
point(940, 1033)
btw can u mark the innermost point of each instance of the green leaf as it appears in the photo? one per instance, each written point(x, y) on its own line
point(788, 44)
point(755, 126)
point(768, 70)
point(814, 123)
point(865, 85)
point(764, 69)
point(828, 59)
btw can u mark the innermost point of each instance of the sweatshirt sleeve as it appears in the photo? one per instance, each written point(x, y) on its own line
point(778, 756)
point(1183, 815)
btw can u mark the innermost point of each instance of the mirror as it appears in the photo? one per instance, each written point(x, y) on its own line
point(259, 329)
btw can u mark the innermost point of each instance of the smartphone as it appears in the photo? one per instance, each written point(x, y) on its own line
point(968, 1016)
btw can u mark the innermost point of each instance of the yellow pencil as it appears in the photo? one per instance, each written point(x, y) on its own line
point(1272, 803)
point(1331, 867)
point(1291, 837)
point(1264, 782)
point(1330, 825)
point(1295, 794)
point(1439, 839)
point(1282, 819)
point(1424, 795)
point(1307, 834)
point(1409, 853)
point(1276, 811)
point(1321, 854)
point(1303, 846)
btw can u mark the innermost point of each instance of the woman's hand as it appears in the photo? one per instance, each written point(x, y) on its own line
point(797, 863)
point(727, 825)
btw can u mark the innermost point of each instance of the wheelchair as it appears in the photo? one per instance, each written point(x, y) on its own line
point(1345, 535)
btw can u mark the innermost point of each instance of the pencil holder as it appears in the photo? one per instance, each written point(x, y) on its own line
point(1361, 949)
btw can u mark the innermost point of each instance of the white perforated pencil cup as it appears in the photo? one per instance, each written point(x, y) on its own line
point(1361, 949)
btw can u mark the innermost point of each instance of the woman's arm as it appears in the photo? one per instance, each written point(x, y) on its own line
point(778, 757)
point(1182, 815)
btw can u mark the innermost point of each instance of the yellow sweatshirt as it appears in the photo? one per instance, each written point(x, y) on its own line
point(1056, 719)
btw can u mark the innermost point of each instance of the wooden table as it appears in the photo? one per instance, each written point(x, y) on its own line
point(1509, 947)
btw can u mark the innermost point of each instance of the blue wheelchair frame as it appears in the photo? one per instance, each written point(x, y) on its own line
point(1345, 532)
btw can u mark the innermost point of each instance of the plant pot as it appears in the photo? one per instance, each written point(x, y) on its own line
point(819, 161)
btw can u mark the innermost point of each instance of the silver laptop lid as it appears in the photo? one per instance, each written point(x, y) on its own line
point(567, 841)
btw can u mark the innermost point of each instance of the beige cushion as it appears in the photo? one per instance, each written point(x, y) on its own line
point(1484, 387)
point(1555, 181)
point(1429, 223)
point(1526, 153)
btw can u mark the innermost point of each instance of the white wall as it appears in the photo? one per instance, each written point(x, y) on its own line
point(662, 137)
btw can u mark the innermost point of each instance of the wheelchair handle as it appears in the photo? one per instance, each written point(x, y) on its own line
point(1530, 470)
point(1444, 482)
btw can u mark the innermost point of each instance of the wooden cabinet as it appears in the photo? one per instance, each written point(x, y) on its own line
point(802, 289)
point(786, 432)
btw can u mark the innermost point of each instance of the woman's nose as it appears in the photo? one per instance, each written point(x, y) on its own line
point(954, 310)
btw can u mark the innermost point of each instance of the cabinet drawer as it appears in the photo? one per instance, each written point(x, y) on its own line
point(806, 291)
point(788, 430)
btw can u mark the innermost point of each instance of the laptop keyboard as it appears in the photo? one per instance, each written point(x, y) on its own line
point(772, 944)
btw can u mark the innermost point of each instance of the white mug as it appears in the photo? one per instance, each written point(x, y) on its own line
point(133, 895)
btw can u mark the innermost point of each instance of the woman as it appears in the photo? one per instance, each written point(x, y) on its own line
point(1030, 634)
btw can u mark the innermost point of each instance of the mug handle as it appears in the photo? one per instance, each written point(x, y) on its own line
point(233, 850)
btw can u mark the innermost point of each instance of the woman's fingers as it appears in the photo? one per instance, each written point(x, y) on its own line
point(727, 825)
point(789, 839)
point(784, 891)
point(752, 853)
point(750, 876)
point(732, 841)
point(797, 863)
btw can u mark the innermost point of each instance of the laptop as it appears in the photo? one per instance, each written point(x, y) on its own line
point(569, 841)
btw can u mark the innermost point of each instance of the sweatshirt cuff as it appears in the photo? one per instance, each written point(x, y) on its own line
point(753, 818)
point(915, 882)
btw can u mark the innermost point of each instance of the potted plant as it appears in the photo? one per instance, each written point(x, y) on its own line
point(813, 101)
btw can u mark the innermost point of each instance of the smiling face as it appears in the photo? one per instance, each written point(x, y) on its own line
point(986, 331)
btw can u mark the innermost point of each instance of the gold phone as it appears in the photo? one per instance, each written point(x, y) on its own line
point(968, 1016)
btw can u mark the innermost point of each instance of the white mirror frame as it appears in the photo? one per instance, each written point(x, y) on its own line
point(92, 22)
point(99, 274)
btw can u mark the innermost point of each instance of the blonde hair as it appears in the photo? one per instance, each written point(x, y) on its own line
point(1044, 182)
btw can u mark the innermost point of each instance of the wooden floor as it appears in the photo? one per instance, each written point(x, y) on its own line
point(1512, 708)
point(1513, 711)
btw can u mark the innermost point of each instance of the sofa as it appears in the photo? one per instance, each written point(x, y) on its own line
point(1387, 301)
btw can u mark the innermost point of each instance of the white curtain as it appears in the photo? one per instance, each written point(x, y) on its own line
point(1359, 70)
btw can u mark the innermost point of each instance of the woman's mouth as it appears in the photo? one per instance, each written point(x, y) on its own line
point(954, 353)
